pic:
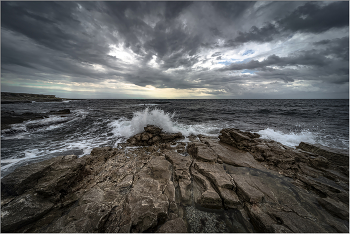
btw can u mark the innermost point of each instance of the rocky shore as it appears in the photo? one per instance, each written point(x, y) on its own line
point(161, 182)
point(10, 98)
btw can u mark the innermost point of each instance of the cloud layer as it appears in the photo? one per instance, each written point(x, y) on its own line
point(176, 49)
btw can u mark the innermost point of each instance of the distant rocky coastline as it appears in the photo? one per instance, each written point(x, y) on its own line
point(10, 98)
point(162, 182)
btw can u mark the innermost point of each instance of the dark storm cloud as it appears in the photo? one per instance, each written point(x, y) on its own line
point(313, 18)
point(50, 40)
point(264, 34)
point(338, 48)
point(328, 63)
point(309, 18)
point(232, 10)
point(53, 25)
point(308, 58)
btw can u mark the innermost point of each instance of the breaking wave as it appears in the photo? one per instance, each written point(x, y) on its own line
point(127, 128)
point(289, 139)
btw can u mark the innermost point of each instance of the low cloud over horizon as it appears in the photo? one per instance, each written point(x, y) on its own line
point(176, 49)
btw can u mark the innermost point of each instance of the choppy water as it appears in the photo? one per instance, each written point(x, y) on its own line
point(95, 123)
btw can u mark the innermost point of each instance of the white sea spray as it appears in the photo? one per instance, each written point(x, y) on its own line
point(289, 139)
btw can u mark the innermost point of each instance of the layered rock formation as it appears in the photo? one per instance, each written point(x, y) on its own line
point(240, 183)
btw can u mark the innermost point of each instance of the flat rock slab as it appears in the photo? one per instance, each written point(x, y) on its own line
point(233, 156)
point(268, 194)
point(215, 173)
point(202, 152)
point(209, 197)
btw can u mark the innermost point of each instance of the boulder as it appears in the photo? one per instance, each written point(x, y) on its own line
point(153, 135)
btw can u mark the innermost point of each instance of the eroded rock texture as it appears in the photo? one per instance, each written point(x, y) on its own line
point(240, 183)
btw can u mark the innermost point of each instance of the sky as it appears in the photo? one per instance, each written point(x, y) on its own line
point(176, 50)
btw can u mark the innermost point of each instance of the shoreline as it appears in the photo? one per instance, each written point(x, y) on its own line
point(12, 98)
point(171, 186)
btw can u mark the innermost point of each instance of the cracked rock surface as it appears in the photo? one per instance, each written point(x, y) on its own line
point(237, 183)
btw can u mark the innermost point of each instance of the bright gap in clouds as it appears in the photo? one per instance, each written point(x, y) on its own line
point(122, 53)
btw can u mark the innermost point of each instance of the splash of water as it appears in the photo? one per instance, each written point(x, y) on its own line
point(289, 139)
point(141, 119)
point(127, 128)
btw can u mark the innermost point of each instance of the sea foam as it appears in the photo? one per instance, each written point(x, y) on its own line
point(126, 128)
point(289, 139)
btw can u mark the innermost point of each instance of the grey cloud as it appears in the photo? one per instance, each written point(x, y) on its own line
point(232, 10)
point(216, 54)
point(308, 58)
point(309, 18)
point(264, 34)
point(338, 47)
point(173, 9)
point(313, 18)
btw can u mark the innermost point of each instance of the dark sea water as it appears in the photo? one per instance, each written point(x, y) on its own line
point(95, 123)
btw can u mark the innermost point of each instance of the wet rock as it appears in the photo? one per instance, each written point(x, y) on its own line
point(320, 162)
point(23, 210)
point(334, 207)
point(26, 177)
point(169, 137)
point(153, 135)
point(336, 156)
point(57, 181)
point(173, 226)
point(237, 138)
point(246, 191)
point(259, 219)
point(153, 129)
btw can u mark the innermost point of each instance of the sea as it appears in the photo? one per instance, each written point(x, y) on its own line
point(99, 123)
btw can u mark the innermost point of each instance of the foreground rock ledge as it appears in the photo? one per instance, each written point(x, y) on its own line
point(240, 183)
